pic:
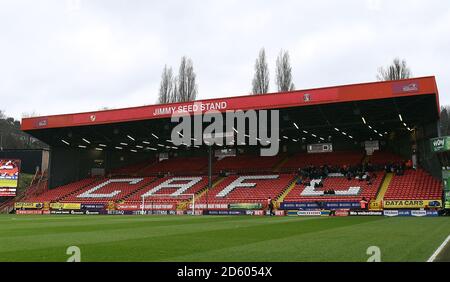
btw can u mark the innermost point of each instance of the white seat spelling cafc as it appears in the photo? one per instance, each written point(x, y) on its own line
point(311, 190)
point(90, 193)
point(238, 183)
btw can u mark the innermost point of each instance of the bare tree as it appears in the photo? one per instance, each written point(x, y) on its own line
point(284, 72)
point(397, 70)
point(166, 88)
point(444, 121)
point(185, 86)
point(12, 137)
point(260, 83)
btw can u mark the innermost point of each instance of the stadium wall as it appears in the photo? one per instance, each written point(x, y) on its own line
point(400, 142)
point(68, 166)
point(428, 159)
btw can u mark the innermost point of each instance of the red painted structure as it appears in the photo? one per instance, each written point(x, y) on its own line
point(335, 94)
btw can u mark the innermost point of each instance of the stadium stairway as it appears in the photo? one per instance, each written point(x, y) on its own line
point(7, 206)
point(36, 189)
point(384, 186)
point(377, 204)
point(183, 205)
point(288, 189)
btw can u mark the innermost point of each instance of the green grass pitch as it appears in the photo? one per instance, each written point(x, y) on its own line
point(219, 238)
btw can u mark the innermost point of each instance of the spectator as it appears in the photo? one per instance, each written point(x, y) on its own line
point(270, 206)
point(363, 204)
point(409, 164)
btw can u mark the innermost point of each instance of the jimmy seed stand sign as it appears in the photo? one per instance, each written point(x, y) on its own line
point(441, 146)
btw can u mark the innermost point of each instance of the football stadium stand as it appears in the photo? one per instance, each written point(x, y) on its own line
point(346, 158)
point(106, 190)
point(252, 180)
point(344, 190)
point(180, 166)
point(385, 157)
point(248, 189)
point(172, 185)
point(247, 163)
point(54, 195)
point(325, 139)
point(245, 185)
point(133, 169)
point(412, 185)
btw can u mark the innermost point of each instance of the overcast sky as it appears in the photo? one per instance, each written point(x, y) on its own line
point(66, 56)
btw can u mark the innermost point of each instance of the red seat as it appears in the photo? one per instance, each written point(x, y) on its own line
point(414, 185)
point(337, 184)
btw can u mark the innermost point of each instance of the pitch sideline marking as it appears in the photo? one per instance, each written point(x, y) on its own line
point(438, 250)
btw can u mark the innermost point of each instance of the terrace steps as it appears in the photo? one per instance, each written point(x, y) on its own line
point(377, 204)
point(287, 191)
point(384, 186)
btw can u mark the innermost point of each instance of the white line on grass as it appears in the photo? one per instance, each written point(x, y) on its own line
point(438, 250)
